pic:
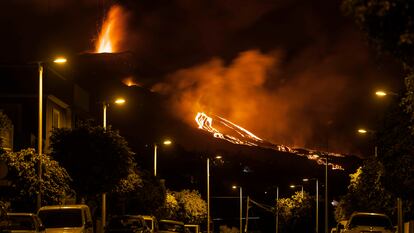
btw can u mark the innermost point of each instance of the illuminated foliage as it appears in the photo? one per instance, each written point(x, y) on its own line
point(295, 213)
point(142, 196)
point(5, 124)
point(186, 206)
point(23, 168)
point(366, 192)
point(95, 158)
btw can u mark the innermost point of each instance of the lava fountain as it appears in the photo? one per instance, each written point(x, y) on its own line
point(112, 31)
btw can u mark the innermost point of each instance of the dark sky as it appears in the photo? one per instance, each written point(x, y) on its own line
point(293, 72)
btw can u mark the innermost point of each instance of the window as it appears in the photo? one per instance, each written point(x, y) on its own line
point(56, 118)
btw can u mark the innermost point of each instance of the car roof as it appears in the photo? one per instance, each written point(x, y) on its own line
point(20, 214)
point(368, 213)
point(55, 207)
point(171, 221)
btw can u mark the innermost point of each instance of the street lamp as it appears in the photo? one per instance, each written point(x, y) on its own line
point(105, 105)
point(41, 65)
point(218, 157)
point(277, 209)
point(295, 186)
point(166, 142)
point(118, 101)
point(241, 205)
point(317, 202)
point(363, 131)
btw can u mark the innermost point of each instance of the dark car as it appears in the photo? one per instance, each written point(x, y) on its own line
point(23, 223)
point(127, 224)
point(168, 226)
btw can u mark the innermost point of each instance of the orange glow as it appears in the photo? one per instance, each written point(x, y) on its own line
point(130, 82)
point(111, 33)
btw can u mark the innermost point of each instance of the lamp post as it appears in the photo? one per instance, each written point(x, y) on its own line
point(241, 205)
point(317, 203)
point(326, 195)
point(165, 142)
point(40, 66)
point(118, 101)
point(363, 131)
point(277, 209)
point(294, 186)
point(218, 157)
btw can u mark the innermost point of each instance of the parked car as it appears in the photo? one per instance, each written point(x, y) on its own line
point(369, 222)
point(341, 226)
point(168, 226)
point(192, 228)
point(66, 218)
point(127, 224)
point(151, 222)
point(23, 223)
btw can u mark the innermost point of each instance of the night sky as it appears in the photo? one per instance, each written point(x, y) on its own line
point(293, 72)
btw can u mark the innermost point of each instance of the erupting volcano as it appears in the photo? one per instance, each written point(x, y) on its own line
point(111, 34)
point(227, 130)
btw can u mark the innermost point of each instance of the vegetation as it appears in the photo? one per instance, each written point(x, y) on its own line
point(389, 26)
point(5, 124)
point(186, 206)
point(295, 213)
point(366, 192)
point(23, 168)
point(96, 159)
point(142, 196)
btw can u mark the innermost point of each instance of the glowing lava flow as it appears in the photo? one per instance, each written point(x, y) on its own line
point(238, 135)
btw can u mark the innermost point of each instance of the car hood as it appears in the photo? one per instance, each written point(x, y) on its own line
point(64, 230)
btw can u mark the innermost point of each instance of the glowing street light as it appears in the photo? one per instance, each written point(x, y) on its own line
point(166, 142)
point(366, 131)
point(241, 205)
point(41, 65)
point(60, 60)
point(295, 186)
point(118, 101)
point(382, 93)
point(362, 131)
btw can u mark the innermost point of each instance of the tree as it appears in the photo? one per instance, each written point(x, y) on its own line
point(143, 195)
point(186, 206)
point(295, 213)
point(366, 192)
point(23, 167)
point(5, 124)
point(389, 25)
point(95, 158)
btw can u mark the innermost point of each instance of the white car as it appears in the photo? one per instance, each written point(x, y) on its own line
point(369, 222)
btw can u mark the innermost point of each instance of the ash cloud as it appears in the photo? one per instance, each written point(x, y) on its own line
point(293, 102)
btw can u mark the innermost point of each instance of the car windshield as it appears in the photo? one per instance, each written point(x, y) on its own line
point(61, 218)
point(371, 220)
point(124, 222)
point(169, 226)
point(17, 222)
